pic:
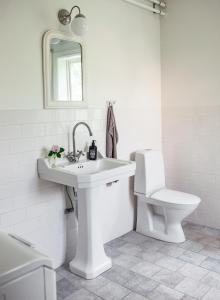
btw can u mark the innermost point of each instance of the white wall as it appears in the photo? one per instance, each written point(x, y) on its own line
point(122, 53)
point(191, 102)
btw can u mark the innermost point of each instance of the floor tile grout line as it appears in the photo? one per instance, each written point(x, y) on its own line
point(107, 284)
point(170, 244)
point(158, 282)
point(93, 293)
point(167, 255)
point(206, 293)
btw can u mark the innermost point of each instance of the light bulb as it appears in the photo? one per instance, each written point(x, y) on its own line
point(79, 25)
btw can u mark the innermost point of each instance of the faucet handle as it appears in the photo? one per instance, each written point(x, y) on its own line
point(80, 153)
point(70, 157)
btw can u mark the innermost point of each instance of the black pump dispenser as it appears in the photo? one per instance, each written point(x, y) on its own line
point(93, 151)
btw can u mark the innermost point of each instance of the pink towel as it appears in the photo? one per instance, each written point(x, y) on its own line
point(111, 134)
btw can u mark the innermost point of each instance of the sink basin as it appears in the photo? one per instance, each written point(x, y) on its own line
point(85, 174)
point(94, 167)
point(89, 179)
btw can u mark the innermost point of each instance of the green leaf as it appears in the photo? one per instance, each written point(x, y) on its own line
point(62, 150)
point(58, 155)
point(50, 153)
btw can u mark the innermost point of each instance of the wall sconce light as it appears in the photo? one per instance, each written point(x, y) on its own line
point(78, 24)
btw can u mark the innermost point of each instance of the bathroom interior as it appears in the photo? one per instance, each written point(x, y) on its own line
point(110, 165)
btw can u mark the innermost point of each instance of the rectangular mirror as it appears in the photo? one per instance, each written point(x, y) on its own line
point(63, 71)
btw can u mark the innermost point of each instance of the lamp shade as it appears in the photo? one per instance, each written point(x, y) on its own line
point(79, 25)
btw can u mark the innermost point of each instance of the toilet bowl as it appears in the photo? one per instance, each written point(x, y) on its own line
point(160, 211)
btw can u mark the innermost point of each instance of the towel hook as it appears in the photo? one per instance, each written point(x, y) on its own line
point(111, 103)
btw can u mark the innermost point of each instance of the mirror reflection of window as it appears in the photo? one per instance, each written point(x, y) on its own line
point(66, 58)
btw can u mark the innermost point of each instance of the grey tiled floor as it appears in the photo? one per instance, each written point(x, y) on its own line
point(145, 268)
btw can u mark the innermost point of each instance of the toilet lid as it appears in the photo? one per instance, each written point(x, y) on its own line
point(175, 197)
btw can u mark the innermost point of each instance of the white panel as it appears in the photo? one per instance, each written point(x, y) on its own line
point(30, 286)
point(117, 210)
point(50, 284)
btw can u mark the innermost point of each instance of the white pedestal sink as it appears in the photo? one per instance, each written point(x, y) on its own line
point(89, 179)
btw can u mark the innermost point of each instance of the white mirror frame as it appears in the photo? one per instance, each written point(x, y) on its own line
point(48, 102)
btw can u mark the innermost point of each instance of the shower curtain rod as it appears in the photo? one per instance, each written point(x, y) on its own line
point(147, 7)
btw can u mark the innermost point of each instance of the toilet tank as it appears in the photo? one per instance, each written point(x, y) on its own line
point(149, 176)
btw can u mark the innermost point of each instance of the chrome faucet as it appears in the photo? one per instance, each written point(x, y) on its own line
point(73, 156)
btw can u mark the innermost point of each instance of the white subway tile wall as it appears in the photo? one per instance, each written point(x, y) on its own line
point(30, 207)
point(192, 155)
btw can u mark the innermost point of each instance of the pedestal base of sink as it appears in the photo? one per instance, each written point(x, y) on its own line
point(89, 273)
point(90, 259)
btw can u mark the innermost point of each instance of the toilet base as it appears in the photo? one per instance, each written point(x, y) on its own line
point(159, 223)
point(178, 237)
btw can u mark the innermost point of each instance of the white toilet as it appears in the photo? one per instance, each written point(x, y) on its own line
point(160, 211)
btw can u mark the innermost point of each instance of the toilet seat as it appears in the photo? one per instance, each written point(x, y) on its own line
point(171, 198)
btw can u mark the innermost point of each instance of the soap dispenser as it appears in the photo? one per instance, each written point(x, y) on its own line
point(93, 151)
